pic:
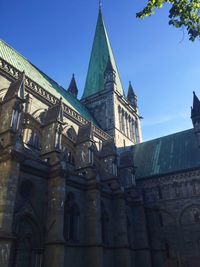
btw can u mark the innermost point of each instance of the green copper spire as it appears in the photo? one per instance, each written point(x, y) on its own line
point(101, 51)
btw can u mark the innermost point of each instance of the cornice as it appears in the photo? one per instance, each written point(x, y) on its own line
point(170, 177)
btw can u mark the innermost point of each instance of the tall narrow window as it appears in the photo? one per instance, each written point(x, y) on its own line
point(91, 155)
point(126, 123)
point(114, 167)
point(120, 118)
point(16, 114)
point(132, 130)
point(71, 219)
point(123, 121)
point(137, 139)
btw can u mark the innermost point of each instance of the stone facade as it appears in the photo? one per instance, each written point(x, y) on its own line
point(71, 190)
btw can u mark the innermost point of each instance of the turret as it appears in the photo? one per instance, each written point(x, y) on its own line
point(72, 89)
point(12, 111)
point(131, 96)
point(52, 130)
point(195, 116)
point(109, 76)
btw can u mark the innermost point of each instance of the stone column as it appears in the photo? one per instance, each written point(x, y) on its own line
point(9, 174)
point(141, 244)
point(122, 252)
point(93, 252)
point(55, 243)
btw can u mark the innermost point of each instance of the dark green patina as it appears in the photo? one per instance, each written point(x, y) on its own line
point(101, 50)
point(168, 154)
point(11, 56)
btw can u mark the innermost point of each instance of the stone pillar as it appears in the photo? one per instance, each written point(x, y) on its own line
point(157, 253)
point(93, 252)
point(122, 252)
point(9, 174)
point(142, 247)
point(55, 243)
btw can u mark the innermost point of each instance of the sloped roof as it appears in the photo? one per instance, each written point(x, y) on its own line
point(172, 153)
point(11, 56)
point(101, 51)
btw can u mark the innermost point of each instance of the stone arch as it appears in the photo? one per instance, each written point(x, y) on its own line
point(188, 215)
point(32, 137)
point(70, 133)
point(39, 114)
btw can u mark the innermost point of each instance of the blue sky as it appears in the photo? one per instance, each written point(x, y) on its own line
point(162, 64)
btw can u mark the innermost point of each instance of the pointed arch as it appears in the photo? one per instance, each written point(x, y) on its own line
point(71, 133)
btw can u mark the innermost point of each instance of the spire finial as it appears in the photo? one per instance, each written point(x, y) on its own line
point(100, 4)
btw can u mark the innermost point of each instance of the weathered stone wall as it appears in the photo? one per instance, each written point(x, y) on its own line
point(173, 218)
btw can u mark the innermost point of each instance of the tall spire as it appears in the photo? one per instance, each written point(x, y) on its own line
point(100, 4)
point(131, 96)
point(72, 89)
point(101, 51)
point(195, 110)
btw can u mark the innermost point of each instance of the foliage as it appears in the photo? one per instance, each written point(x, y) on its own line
point(182, 14)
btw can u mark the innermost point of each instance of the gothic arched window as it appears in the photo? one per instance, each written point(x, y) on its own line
point(123, 121)
point(71, 219)
point(33, 139)
point(71, 134)
point(120, 117)
point(196, 215)
point(91, 155)
point(114, 167)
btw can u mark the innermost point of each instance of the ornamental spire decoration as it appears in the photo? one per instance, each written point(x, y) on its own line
point(100, 4)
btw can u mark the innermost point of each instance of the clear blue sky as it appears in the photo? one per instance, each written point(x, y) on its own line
point(163, 66)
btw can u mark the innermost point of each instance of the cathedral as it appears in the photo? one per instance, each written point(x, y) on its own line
point(78, 187)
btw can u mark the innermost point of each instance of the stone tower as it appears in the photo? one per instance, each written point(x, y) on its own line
point(104, 95)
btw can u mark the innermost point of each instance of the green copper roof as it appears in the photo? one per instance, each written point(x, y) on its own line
point(8, 54)
point(172, 153)
point(99, 57)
